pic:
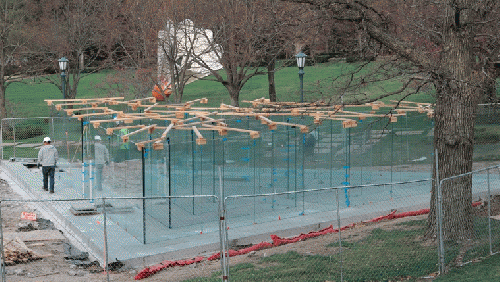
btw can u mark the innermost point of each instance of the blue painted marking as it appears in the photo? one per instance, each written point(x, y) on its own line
point(245, 148)
point(346, 167)
point(85, 122)
point(347, 176)
point(345, 183)
point(286, 159)
point(274, 179)
point(347, 202)
point(245, 159)
point(238, 120)
point(224, 139)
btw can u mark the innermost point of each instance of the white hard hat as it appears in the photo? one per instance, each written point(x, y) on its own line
point(97, 137)
point(46, 139)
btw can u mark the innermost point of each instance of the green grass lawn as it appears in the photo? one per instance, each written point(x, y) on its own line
point(399, 254)
point(382, 256)
point(27, 99)
point(318, 83)
point(485, 271)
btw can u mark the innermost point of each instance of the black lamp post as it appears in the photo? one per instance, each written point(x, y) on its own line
point(301, 62)
point(63, 65)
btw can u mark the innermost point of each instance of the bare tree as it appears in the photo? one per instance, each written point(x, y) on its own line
point(451, 44)
point(178, 41)
point(81, 31)
point(236, 42)
point(17, 54)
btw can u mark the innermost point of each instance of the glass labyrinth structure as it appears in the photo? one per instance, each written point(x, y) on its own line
point(170, 151)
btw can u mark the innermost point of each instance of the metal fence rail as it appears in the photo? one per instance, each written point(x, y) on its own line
point(344, 246)
point(483, 239)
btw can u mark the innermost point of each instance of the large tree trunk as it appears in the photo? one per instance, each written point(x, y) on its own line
point(235, 99)
point(3, 108)
point(270, 79)
point(454, 142)
point(458, 90)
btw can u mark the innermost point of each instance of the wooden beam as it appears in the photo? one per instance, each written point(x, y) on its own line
point(253, 133)
point(80, 117)
point(150, 128)
point(110, 130)
point(150, 107)
point(164, 134)
point(303, 128)
point(142, 144)
point(200, 140)
point(349, 123)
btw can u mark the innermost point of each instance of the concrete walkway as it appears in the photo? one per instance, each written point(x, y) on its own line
point(143, 232)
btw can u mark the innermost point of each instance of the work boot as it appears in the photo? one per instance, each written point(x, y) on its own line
point(46, 189)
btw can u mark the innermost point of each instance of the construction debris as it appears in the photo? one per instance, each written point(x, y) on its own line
point(16, 251)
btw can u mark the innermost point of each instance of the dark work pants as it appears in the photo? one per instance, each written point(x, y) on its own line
point(98, 176)
point(48, 171)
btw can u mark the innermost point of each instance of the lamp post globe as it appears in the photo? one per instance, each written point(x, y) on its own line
point(301, 62)
point(63, 66)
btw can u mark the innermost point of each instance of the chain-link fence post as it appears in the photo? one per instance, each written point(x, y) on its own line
point(489, 213)
point(14, 138)
point(439, 218)
point(2, 266)
point(106, 268)
point(340, 236)
point(1, 138)
point(223, 233)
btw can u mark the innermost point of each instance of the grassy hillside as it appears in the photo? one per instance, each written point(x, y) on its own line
point(26, 99)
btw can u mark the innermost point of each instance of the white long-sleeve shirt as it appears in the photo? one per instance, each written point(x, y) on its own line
point(48, 156)
point(101, 153)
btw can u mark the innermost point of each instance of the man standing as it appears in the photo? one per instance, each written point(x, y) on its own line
point(101, 155)
point(47, 158)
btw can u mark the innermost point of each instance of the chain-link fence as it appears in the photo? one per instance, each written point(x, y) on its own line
point(476, 230)
point(336, 243)
point(166, 193)
point(96, 235)
point(57, 240)
point(308, 235)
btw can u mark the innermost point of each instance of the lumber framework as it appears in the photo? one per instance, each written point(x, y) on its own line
point(186, 117)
